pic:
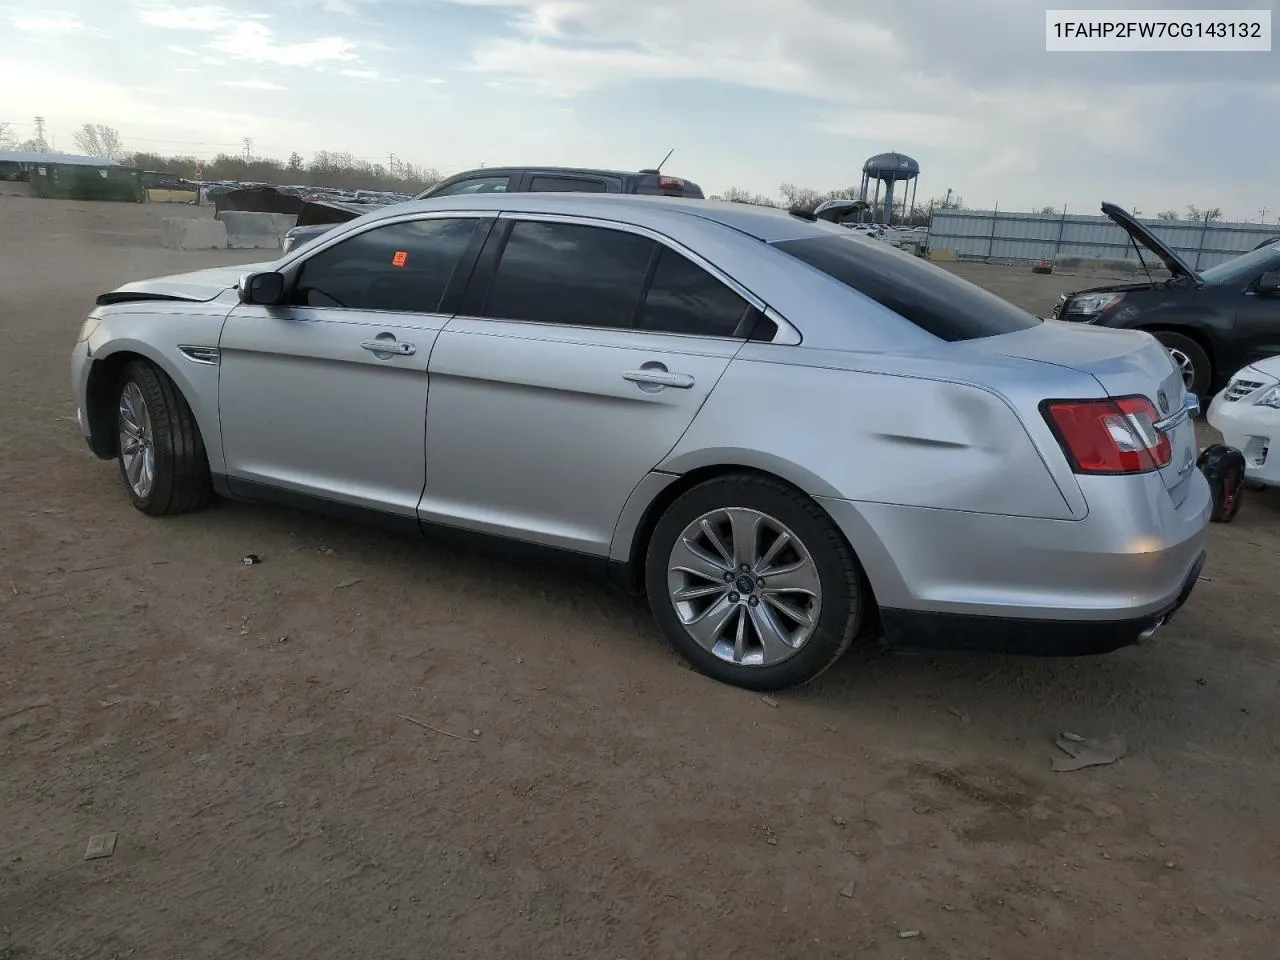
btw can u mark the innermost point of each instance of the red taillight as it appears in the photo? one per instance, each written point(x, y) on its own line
point(671, 183)
point(1109, 436)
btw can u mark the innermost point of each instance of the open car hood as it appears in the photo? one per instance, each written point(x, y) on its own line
point(199, 285)
point(1174, 263)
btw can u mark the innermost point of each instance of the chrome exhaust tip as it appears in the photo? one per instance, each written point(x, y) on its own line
point(1150, 632)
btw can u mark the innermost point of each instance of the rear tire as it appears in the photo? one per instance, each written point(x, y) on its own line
point(753, 584)
point(160, 451)
point(1190, 358)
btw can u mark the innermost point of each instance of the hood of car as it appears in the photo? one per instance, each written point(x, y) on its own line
point(1174, 263)
point(1269, 367)
point(198, 285)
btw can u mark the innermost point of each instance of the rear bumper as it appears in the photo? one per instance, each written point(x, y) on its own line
point(951, 579)
point(925, 630)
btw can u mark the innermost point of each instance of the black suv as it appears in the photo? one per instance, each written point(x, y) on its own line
point(532, 180)
point(1212, 321)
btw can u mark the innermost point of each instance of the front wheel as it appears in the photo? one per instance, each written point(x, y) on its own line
point(161, 454)
point(753, 584)
point(1190, 359)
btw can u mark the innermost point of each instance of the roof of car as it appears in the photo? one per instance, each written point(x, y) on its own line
point(580, 171)
point(763, 223)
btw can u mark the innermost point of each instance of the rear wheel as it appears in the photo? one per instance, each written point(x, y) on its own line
point(753, 584)
point(1190, 359)
point(161, 454)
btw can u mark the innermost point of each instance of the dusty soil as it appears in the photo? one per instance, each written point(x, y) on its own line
point(240, 728)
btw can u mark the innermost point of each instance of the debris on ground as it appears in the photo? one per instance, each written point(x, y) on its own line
point(1085, 752)
point(456, 736)
point(348, 583)
point(769, 701)
point(847, 889)
point(908, 934)
point(840, 821)
point(100, 845)
point(249, 559)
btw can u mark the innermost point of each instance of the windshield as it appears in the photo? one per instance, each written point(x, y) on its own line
point(1245, 268)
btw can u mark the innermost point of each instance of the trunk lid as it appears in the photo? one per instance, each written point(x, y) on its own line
point(1125, 363)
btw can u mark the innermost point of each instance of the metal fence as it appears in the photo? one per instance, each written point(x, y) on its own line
point(1000, 235)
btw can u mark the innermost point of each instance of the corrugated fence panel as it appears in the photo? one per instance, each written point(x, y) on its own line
point(997, 235)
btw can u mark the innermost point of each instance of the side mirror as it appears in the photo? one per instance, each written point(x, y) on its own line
point(262, 289)
point(1269, 282)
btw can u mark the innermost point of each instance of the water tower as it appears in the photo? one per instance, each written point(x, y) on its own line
point(889, 169)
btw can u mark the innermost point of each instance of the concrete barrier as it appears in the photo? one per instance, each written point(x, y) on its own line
point(192, 233)
point(164, 195)
point(256, 231)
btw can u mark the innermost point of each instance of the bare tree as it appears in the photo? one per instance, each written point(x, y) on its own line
point(99, 140)
point(1048, 211)
point(7, 139)
point(1169, 215)
point(738, 195)
point(1203, 216)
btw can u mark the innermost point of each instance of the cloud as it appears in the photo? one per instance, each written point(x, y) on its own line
point(253, 84)
point(247, 37)
point(256, 42)
point(204, 18)
point(361, 74)
point(56, 23)
point(965, 86)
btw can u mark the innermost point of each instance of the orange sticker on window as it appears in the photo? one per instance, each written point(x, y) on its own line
point(400, 257)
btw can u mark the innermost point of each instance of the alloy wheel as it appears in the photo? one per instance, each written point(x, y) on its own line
point(1185, 367)
point(744, 586)
point(137, 442)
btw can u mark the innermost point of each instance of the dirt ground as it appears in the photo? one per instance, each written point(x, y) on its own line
point(583, 793)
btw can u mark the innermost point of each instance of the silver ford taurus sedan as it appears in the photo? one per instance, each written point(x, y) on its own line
point(786, 436)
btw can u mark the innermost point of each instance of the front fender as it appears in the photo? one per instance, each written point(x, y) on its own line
point(109, 347)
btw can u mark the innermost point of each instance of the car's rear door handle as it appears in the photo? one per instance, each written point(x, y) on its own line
point(659, 378)
point(389, 346)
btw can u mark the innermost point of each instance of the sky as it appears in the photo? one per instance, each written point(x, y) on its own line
point(748, 93)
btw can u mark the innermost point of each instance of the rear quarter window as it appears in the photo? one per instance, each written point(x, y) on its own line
point(938, 302)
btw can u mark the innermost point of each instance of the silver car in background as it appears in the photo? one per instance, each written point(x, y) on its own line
point(784, 436)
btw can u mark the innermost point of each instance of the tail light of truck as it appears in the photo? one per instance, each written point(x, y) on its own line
point(1115, 436)
point(671, 185)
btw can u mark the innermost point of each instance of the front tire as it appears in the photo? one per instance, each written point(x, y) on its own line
point(753, 584)
point(160, 450)
point(1190, 359)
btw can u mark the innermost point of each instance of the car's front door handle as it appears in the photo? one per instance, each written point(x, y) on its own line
point(389, 347)
point(659, 378)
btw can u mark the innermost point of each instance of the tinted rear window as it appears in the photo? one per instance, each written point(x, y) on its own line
point(933, 299)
